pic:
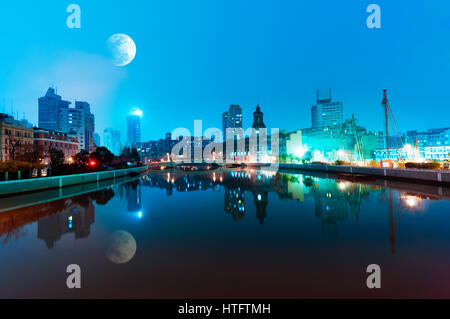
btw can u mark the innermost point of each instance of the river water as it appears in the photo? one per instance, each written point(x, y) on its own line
point(230, 234)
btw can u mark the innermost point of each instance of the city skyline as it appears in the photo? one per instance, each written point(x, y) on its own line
point(229, 119)
point(192, 71)
point(328, 137)
point(200, 152)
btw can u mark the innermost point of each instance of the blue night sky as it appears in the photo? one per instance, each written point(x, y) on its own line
point(195, 58)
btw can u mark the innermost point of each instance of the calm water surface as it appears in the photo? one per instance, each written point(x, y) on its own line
point(231, 234)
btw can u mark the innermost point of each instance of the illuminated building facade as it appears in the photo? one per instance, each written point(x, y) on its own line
point(437, 153)
point(45, 140)
point(81, 122)
point(336, 142)
point(133, 130)
point(156, 150)
point(432, 137)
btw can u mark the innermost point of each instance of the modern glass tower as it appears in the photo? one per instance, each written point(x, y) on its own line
point(235, 117)
point(232, 118)
point(133, 129)
point(111, 140)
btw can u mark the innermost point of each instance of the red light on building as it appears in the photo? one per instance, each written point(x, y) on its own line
point(92, 163)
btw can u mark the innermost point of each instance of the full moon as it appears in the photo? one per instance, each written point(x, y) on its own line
point(121, 49)
point(121, 247)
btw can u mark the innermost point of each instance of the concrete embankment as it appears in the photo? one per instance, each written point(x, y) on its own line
point(44, 183)
point(438, 177)
point(22, 200)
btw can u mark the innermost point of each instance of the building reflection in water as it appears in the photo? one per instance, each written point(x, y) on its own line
point(133, 196)
point(335, 201)
point(261, 200)
point(331, 201)
point(234, 202)
point(412, 202)
point(77, 217)
point(407, 202)
point(234, 184)
point(55, 219)
point(259, 183)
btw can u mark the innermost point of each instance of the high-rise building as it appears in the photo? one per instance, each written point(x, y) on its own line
point(56, 115)
point(53, 112)
point(224, 123)
point(96, 138)
point(326, 112)
point(232, 118)
point(323, 95)
point(111, 140)
point(81, 122)
point(235, 117)
point(133, 130)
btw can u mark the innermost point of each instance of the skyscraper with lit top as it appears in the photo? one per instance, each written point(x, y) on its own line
point(134, 128)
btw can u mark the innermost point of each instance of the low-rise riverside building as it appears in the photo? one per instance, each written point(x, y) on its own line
point(45, 140)
point(437, 153)
point(432, 137)
point(16, 137)
point(409, 153)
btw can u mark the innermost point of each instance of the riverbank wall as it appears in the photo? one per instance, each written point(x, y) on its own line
point(437, 177)
point(44, 183)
